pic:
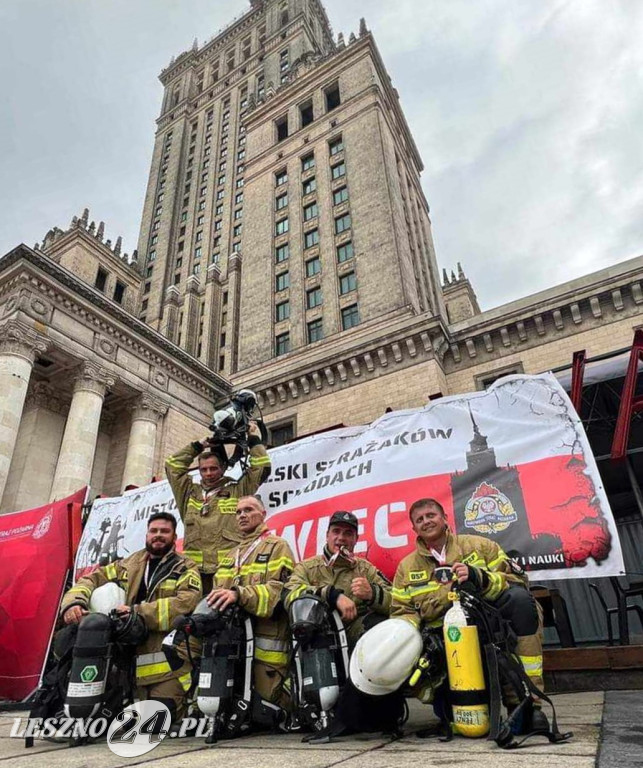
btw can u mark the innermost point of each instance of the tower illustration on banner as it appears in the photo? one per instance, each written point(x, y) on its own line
point(488, 501)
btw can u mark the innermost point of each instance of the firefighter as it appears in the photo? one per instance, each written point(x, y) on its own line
point(253, 575)
point(423, 581)
point(208, 509)
point(159, 586)
point(350, 584)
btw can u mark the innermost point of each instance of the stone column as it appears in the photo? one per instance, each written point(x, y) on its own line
point(18, 349)
point(76, 458)
point(139, 462)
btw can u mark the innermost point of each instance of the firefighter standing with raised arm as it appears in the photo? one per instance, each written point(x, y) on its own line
point(423, 581)
point(159, 586)
point(208, 508)
point(345, 582)
point(253, 576)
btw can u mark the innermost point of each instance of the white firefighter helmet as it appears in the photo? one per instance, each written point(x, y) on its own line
point(385, 656)
point(104, 599)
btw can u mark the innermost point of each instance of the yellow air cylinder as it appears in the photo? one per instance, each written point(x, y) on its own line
point(466, 675)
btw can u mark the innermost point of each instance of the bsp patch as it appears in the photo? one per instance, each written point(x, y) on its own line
point(470, 558)
point(418, 576)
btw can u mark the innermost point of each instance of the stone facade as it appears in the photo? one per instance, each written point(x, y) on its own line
point(285, 246)
point(87, 389)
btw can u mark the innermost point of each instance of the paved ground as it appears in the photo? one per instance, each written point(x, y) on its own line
point(580, 712)
point(622, 738)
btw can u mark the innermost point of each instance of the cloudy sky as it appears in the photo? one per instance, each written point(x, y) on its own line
point(527, 113)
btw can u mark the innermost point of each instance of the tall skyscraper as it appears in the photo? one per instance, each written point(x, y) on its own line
point(284, 213)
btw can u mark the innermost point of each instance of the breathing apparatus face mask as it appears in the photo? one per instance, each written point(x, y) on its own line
point(307, 617)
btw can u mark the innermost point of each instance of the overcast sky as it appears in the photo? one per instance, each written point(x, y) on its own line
point(528, 116)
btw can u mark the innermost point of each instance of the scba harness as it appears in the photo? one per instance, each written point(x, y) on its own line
point(223, 675)
point(502, 670)
point(93, 674)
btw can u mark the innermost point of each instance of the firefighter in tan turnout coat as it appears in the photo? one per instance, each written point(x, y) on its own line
point(344, 581)
point(253, 575)
point(208, 508)
point(159, 586)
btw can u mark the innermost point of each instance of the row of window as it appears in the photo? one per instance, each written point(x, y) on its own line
point(311, 238)
point(332, 100)
point(335, 146)
point(347, 283)
point(315, 331)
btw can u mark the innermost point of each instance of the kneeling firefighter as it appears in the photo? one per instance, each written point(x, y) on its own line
point(494, 591)
point(156, 586)
point(245, 631)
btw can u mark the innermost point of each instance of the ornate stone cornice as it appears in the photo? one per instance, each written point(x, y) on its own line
point(147, 408)
point(20, 341)
point(92, 378)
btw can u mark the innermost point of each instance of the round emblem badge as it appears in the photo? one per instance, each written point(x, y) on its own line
point(489, 510)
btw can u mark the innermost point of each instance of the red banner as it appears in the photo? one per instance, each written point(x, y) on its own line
point(34, 557)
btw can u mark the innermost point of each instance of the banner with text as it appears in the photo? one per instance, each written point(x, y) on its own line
point(511, 463)
point(34, 558)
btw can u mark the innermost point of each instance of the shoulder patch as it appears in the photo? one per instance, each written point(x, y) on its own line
point(515, 567)
point(418, 575)
point(263, 558)
point(226, 562)
point(470, 558)
point(194, 581)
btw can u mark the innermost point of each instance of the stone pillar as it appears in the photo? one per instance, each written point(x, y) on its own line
point(76, 458)
point(18, 349)
point(139, 462)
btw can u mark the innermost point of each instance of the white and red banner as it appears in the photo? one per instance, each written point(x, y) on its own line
point(511, 463)
point(34, 559)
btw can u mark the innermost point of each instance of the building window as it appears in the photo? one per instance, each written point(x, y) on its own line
point(485, 380)
point(237, 229)
point(240, 155)
point(184, 215)
point(347, 283)
point(345, 252)
point(332, 97)
point(282, 281)
point(313, 267)
point(147, 287)
point(282, 311)
point(236, 247)
point(218, 226)
point(313, 298)
point(281, 201)
point(311, 238)
point(154, 240)
point(350, 317)
point(239, 183)
point(315, 330)
point(199, 221)
point(203, 191)
point(151, 256)
point(282, 344)
point(101, 279)
point(309, 186)
point(199, 236)
point(196, 269)
point(282, 253)
point(144, 304)
point(221, 180)
point(282, 128)
point(238, 213)
point(202, 205)
point(197, 252)
point(336, 146)
point(221, 194)
point(149, 271)
point(340, 195)
point(337, 171)
point(306, 113)
point(342, 223)
point(218, 211)
point(308, 162)
point(281, 177)
point(180, 246)
point(177, 278)
point(281, 434)
point(179, 261)
point(310, 211)
point(281, 227)
point(238, 198)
